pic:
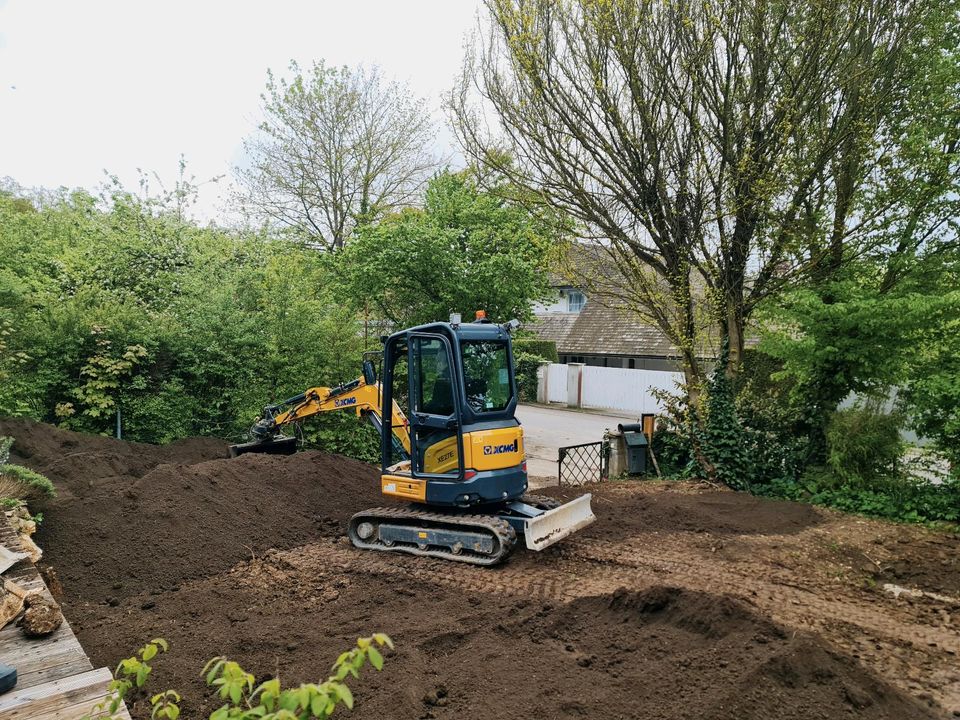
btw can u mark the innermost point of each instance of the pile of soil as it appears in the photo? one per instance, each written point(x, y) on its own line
point(131, 517)
point(178, 542)
point(660, 653)
point(717, 512)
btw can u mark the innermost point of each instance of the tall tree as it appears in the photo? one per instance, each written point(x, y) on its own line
point(705, 142)
point(338, 146)
point(883, 290)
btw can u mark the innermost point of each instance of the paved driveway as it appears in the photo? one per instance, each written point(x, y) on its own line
point(545, 430)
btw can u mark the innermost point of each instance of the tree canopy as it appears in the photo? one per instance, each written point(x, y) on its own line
point(720, 149)
point(467, 249)
point(338, 147)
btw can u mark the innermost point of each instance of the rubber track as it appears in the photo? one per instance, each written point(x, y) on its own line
point(502, 532)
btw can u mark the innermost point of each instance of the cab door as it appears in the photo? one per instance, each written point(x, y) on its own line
point(436, 435)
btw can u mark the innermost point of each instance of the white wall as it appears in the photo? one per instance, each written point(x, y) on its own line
point(603, 388)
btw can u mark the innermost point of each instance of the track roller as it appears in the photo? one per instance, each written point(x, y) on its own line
point(474, 539)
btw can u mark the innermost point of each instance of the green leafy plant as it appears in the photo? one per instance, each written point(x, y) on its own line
point(546, 349)
point(722, 437)
point(342, 433)
point(104, 371)
point(863, 445)
point(243, 698)
point(903, 499)
point(132, 672)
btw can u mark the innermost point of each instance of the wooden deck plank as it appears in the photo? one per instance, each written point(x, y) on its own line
point(80, 681)
point(55, 678)
point(63, 699)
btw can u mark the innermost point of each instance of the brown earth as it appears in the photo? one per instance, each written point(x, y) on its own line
point(676, 603)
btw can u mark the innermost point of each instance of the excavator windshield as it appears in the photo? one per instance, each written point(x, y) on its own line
point(486, 375)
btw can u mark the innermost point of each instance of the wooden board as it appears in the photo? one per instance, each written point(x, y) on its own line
point(55, 678)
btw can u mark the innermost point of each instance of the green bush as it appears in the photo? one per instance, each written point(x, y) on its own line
point(863, 445)
point(672, 449)
point(343, 433)
point(18, 482)
point(722, 436)
point(904, 499)
point(526, 366)
point(236, 688)
point(546, 349)
point(32, 484)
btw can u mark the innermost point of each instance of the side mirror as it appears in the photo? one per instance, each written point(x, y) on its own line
point(369, 372)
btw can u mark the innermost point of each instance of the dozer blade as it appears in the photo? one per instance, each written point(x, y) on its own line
point(280, 445)
point(554, 525)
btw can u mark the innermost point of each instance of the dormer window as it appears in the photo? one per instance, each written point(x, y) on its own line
point(575, 301)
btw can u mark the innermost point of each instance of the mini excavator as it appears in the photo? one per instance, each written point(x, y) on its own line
point(456, 457)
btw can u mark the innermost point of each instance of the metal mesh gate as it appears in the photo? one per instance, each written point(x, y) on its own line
point(579, 464)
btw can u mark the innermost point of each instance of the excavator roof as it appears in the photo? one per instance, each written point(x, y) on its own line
point(466, 331)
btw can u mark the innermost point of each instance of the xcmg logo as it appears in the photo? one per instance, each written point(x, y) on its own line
point(498, 449)
point(344, 402)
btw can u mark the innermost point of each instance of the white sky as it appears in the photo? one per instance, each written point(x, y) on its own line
point(127, 84)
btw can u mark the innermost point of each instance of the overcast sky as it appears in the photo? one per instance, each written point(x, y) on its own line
point(125, 84)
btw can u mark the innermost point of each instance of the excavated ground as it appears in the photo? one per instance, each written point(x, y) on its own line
point(678, 602)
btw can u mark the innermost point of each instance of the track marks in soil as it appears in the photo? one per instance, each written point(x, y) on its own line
point(909, 654)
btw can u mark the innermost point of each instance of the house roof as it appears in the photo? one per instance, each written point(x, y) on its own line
point(602, 330)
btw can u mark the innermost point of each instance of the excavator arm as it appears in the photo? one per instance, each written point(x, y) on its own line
point(360, 395)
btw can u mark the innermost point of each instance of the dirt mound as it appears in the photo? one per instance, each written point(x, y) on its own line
point(623, 512)
point(77, 459)
point(132, 517)
point(173, 542)
point(662, 653)
point(120, 535)
point(691, 654)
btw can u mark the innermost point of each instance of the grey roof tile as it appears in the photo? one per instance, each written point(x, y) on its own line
point(599, 329)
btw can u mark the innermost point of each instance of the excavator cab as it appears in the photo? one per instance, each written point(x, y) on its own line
point(457, 388)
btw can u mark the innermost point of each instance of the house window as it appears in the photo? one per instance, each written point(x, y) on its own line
point(633, 364)
point(575, 301)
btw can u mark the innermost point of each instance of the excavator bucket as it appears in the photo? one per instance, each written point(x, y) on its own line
point(280, 445)
point(554, 525)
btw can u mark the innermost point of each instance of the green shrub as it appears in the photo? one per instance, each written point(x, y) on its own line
point(526, 366)
point(234, 686)
point(32, 484)
point(722, 436)
point(863, 445)
point(343, 433)
point(673, 451)
point(904, 499)
point(546, 349)
point(18, 482)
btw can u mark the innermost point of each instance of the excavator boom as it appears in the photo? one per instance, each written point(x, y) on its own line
point(361, 396)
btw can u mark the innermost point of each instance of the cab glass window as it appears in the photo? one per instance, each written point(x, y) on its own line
point(486, 375)
point(434, 385)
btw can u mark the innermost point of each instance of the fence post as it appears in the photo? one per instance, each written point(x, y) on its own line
point(543, 382)
point(575, 385)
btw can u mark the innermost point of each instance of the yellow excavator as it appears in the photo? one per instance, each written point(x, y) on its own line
point(455, 455)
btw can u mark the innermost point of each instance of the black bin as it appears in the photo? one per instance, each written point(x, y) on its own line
point(636, 443)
